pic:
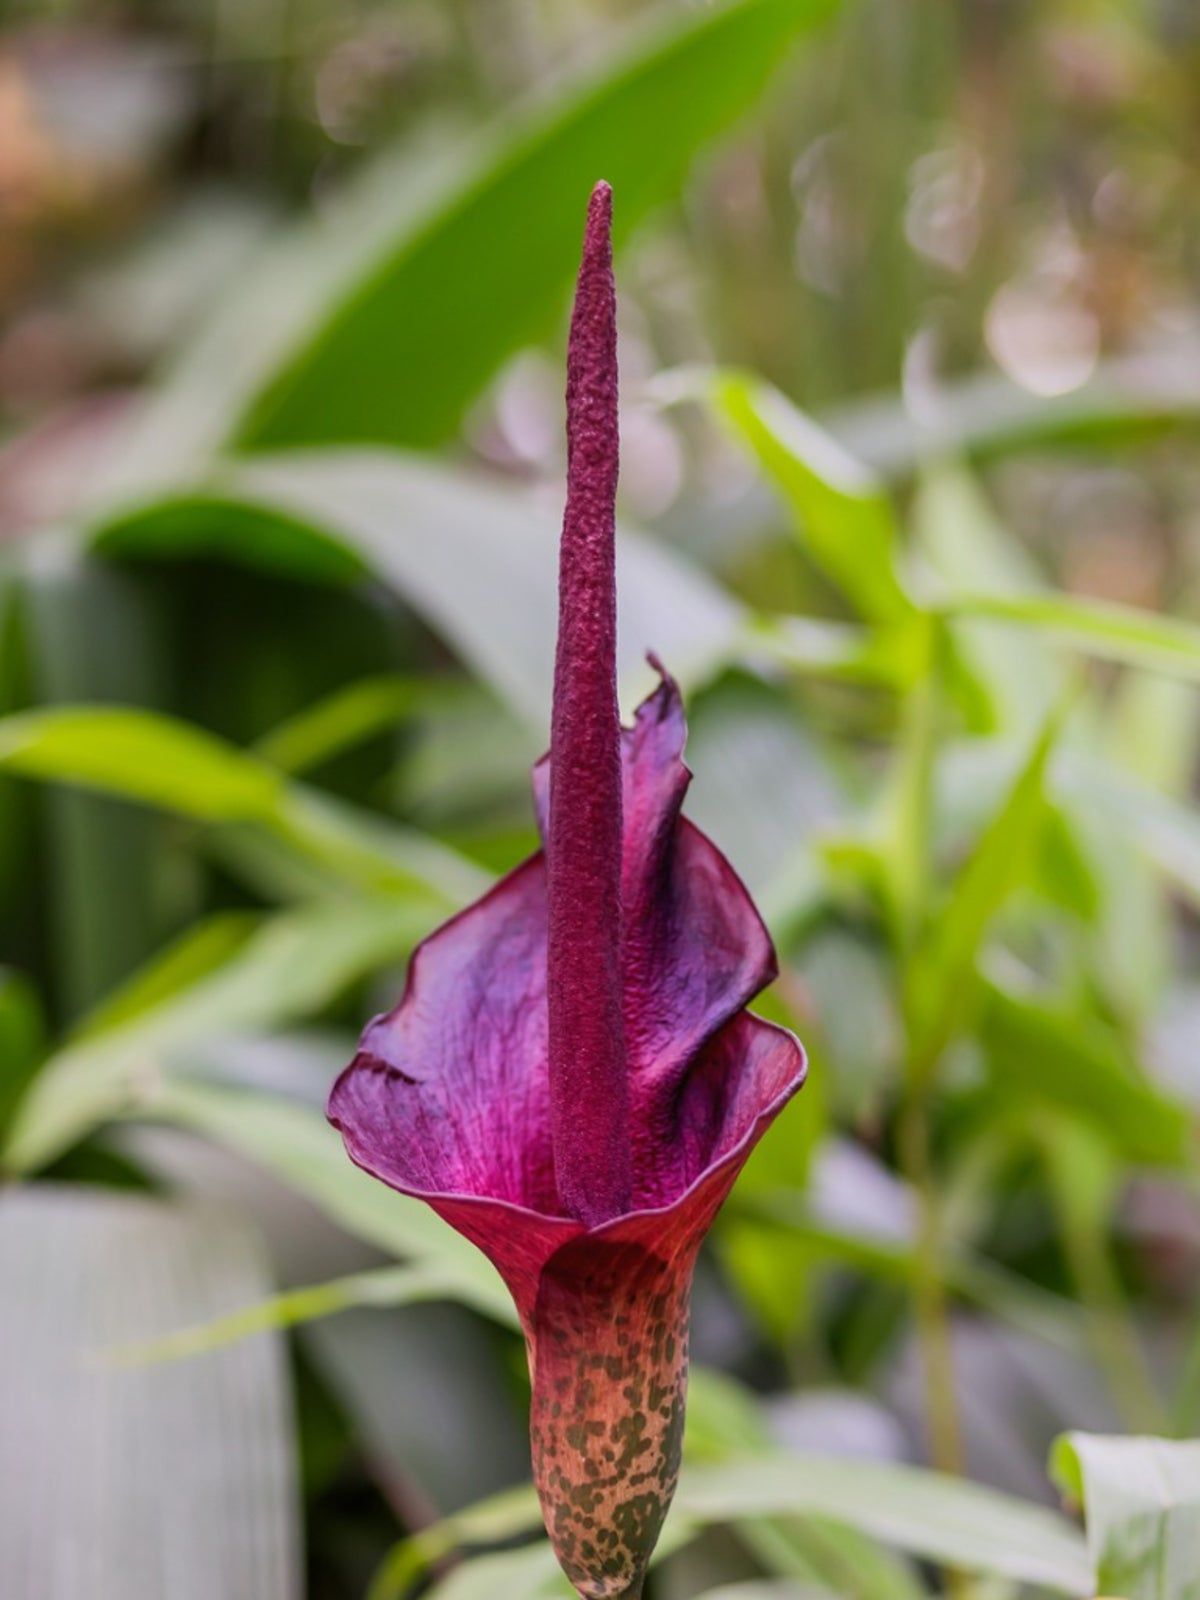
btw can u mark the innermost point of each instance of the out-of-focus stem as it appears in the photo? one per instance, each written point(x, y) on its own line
point(930, 1306)
point(929, 1296)
point(1115, 1341)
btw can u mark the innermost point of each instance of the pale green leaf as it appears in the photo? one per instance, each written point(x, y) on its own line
point(1141, 1499)
point(942, 1519)
point(138, 1484)
point(478, 560)
point(1111, 632)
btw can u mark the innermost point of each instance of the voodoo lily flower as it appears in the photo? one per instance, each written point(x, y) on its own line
point(571, 1079)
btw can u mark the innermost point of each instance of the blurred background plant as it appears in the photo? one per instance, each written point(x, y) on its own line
point(910, 358)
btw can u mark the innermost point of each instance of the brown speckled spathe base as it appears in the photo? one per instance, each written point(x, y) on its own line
point(609, 1386)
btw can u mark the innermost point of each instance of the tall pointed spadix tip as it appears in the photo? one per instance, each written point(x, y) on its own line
point(589, 1093)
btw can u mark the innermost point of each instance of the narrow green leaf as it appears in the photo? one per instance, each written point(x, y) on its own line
point(188, 960)
point(300, 1147)
point(386, 1286)
point(940, 979)
point(344, 719)
point(1074, 1062)
point(1141, 1498)
point(844, 519)
point(841, 653)
point(959, 536)
point(141, 756)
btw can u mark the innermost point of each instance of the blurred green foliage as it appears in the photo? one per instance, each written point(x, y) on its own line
point(910, 403)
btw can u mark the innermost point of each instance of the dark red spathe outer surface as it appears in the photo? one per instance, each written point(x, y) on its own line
point(449, 1099)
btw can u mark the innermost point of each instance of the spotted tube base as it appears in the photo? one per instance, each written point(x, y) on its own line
point(609, 1359)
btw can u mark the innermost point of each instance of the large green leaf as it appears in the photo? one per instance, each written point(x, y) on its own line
point(477, 560)
point(473, 274)
point(381, 319)
point(1141, 1499)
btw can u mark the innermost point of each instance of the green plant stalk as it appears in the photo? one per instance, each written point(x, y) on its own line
point(1115, 1342)
point(929, 1293)
point(930, 1306)
point(908, 885)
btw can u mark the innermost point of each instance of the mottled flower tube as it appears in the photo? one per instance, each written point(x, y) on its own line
point(571, 1078)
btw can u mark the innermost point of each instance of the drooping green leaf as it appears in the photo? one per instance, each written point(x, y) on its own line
point(290, 967)
point(1141, 1499)
point(343, 719)
point(144, 756)
point(932, 1516)
point(381, 319)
